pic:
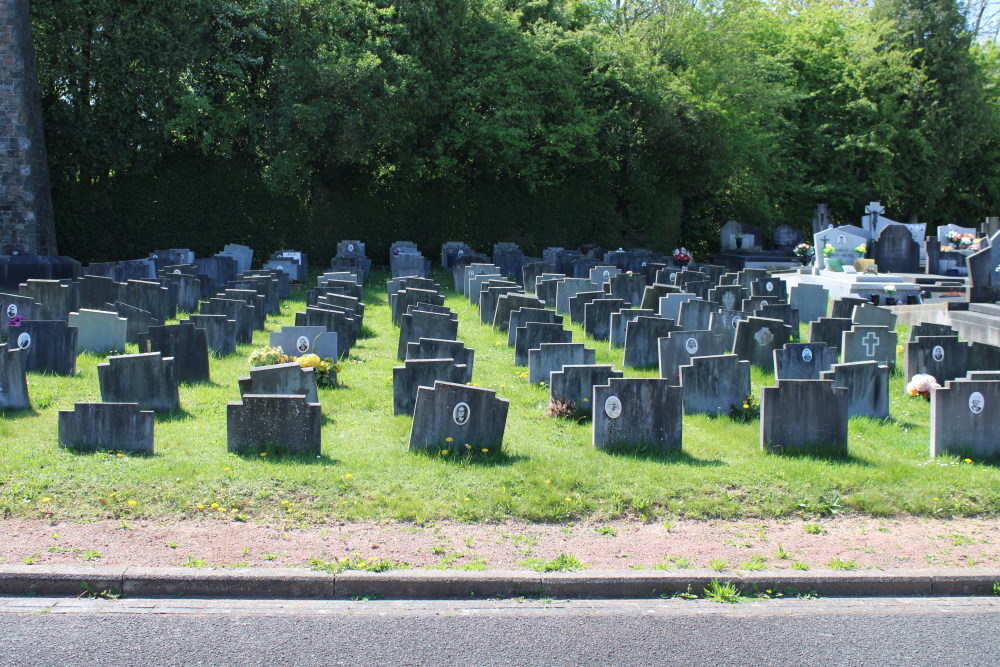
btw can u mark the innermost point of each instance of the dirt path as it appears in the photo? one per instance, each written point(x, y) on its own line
point(869, 543)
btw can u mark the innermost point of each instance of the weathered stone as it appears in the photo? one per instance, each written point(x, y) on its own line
point(421, 324)
point(139, 320)
point(415, 373)
point(965, 419)
point(628, 287)
point(431, 348)
point(548, 357)
point(830, 330)
point(597, 317)
point(533, 334)
point(522, 316)
point(780, 311)
point(714, 384)
point(642, 348)
point(288, 379)
point(220, 332)
point(410, 297)
point(757, 339)
point(620, 320)
point(148, 296)
point(238, 311)
point(489, 296)
point(468, 415)
point(95, 291)
point(866, 314)
point(812, 301)
point(253, 300)
point(297, 341)
point(895, 251)
point(642, 415)
point(111, 426)
point(944, 357)
point(843, 308)
point(770, 287)
point(568, 288)
point(803, 361)
point(670, 305)
point(724, 323)
point(285, 424)
point(510, 302)
point(187, 344)
point(696, 314)
point(13, 381)
point(679, 347)
point(146, 379)
point(576, 383)
point(804, 416)
point(867, 384)
point(869, 344)
point(578, 304)
point(98, 331)
point(48, 345)
point(653, 293)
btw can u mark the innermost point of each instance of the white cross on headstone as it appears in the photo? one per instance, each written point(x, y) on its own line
point(870, 341)
point(875, 208)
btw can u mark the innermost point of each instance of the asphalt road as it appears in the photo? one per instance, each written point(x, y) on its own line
point(920, 631)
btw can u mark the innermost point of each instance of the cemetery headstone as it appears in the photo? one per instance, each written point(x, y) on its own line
point(422, 324)
point(286, 424)
point(548, 357)
point(111, 426)
point(298, 341)
point(220, 333)
point(575, 384)
point(533, 334)
point(804, 416)
point(964, 419)
point(679, 347)
point(597, 317)
point(187, 344)
point(415, 373)
point(868, 343)
point(619, 323)
point(812, 301)
point(146, 379)
point(642, 349)
point(521, 316)
point(288, 379)
point(48, 345)
point(714, 384)
point(867, 384)
point(431, 348)
point(803, 361)
point(468, 415)
point(725, 323)
point(944, 357)
point(13, 381)
point(757, 338)
point(895, 251)
point(643, 415)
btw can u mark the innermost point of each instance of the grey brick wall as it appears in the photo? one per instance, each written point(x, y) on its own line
point(26, 217)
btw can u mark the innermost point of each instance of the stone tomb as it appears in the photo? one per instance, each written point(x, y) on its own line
point(714, 384)
point(867, 384)
point(415, 373)
point(576, 383)
point(965, 419)
point(944, 357)
point(549, 357)
point(112, 426)
point(146, 379)
point(13, 381)
point(98, 331)
point(843, 239)
point(803, 361)
point(187, 344)
point(812, 301)
point(49, 345)
point(895, 251)
point(679, 347)
point(432, 348)
point(804, 416)
point(468, 415)
point(14, 305)
point(619, 323)
point(419, 324)
point(863, 343)
point(597, 317)
point(298, 341)
point(642, 415)
point(220, 332)
point(522, 316)
point(533, 334)
point(284, 424)
point(642, 347)
point(288, 379)
point(757, 338)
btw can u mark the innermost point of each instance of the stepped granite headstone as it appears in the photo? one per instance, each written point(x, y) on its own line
point(288, 379)
point(522, 316)
point(812, 301)
point(638, 415)
point(965, 420)
point(285, 424)
point(944, 357)
point(533, 334)
point(422, 324)
point(220, 332)
point(48, 345)
point(619, 323)
point(679, 347)
point(724, 323)
point(830, 330)
point(298, 341)
point(468, 415)
point(642, 347)
point(803, 361)
point(576, 383)
point(416, 373)
point(111, 426)
point(863, 343)
point(13, 381)
point(714, 384)
point(146, 379)
point(597, 317)
point(804, 416)
point(187, 344)
point(549, 357)
point(867, 384)
point(757, 339)
point(432, 348)
point(98, 331)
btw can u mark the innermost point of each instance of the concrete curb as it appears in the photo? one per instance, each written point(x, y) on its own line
point(293, 583)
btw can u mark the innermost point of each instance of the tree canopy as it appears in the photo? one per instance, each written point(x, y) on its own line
point(545, 122)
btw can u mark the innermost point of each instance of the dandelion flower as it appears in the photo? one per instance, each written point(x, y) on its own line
point(468, 446)
point(263, 453)
point(46, 499)
point(349, 476)
point(968, 460)
point(444, 452)
point(132, 503)
point(200, 506)
point(449, 439)
point(548, 481)
point(215, 506)
point(284, 502)
point(486, 450)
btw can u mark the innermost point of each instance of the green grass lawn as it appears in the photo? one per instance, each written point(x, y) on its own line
point(548, 470)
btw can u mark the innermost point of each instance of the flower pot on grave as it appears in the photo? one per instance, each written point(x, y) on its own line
point(739, 242)
point(834, 264)
point(682, 263)
point(911, 300)
point(890, 301)
point(803, 259)
point(861, 264)
point(874, 299)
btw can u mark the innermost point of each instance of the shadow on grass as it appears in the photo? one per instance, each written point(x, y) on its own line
point(172, 416)
point(649, 454)
point(473, 457)
point(817, 454)
point(273, 454)
point(96, 451)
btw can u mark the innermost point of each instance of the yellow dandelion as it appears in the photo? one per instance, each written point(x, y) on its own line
point(968, 460)
point(119, 455)
point(449, 439)
point(372, 558)
point(46, 499)
point(548, 481)
point(233, 511)
point(226, 468)
point(569, 500)
point(349, 476)
point(132, 503)
point(745, 406)
point(468, 446)
point(200, 506)
point(937, 499)
point(222, 509)
point(363, 564)
point(284, 502)
point(444, 452)
point(486, 450)
point(586, 400)
point(215, 506)
point(466, 499)
point(263, 453)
